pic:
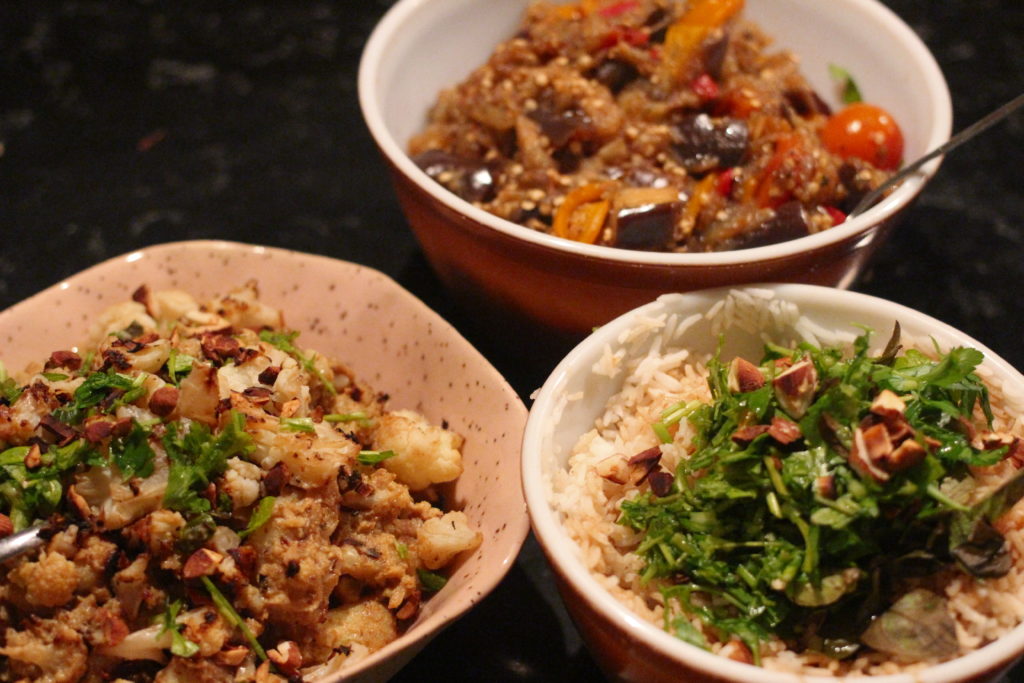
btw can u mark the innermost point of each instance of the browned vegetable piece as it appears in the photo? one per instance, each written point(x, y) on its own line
point(702, 143)
point(917, 627)
point(470, 179)
point(788, 223)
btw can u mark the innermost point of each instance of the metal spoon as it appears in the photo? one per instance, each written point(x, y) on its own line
point(960, 138)
point(24, 541)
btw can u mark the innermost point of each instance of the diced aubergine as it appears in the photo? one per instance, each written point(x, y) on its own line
point(703, 143)
point(788, 223)
point(648, 226)
point(470, 179)
point(559, 126)
point(615, 74)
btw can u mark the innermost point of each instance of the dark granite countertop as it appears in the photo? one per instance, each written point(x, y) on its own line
point(126, 124)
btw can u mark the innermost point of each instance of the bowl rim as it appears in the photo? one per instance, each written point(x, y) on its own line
point(561, 550)
point(517, 528)
point(404, 12)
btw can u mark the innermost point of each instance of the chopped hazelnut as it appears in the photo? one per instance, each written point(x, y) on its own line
point(6, 526)
point(795, 387)
point(286, 656)
point(744, 376)
point(202, 562)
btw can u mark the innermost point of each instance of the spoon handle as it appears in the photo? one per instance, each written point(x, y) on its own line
point(982, 124)
point(22, 542)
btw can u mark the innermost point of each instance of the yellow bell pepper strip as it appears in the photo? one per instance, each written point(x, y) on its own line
point(701, 194)
point(582, 214)
point(687, 34)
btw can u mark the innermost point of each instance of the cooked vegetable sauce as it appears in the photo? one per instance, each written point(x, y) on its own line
point(657, 125)
point(226, 504)
point(827, 499)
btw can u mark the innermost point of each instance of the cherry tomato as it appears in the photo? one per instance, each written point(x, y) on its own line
point(866, 132)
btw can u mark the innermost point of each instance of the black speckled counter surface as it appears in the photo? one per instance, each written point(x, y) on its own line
point(126, 124)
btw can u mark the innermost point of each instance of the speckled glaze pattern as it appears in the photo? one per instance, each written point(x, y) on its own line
point(364, 319)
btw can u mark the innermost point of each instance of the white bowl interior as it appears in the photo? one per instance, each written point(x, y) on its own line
point(423, 46)
point(574, 396)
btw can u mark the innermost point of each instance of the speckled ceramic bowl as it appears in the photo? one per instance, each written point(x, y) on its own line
point(423, 46)
point(626, 646)
point(366, 320)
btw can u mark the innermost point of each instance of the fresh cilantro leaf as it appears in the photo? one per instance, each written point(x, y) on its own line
point(9, 389)
point(197, 456)
point(178, 366)
point(180, 645)
point(260, 516)
point(848, 87)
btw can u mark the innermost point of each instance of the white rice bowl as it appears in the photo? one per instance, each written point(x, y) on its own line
point(602, 398)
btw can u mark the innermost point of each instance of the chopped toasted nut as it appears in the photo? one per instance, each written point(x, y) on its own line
point(79, 502)
point(6, 526)
point(795, 388)
point(202, 562)
point(34, 457)
point(614, 468)
point(784, 431)
point(744, 435)
point(744, 376)
point(906, 455)
point(826, 486)
point(97, 429)
point(286, 656)
point(738, 651)
point(64, 359)
point(887, 404)
point(661, 482)
point(231, 656)
point(163, 401)
point(871, 446)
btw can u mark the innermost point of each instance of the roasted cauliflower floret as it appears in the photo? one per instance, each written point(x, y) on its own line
point(425, 454)
point(241, 481)
point(440, 539)
point(48, 582)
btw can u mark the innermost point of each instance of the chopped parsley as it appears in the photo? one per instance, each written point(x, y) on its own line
point(260, 516)
point(180, 645)
point(100, 387)
point(808, 539)
point(431, 581)
point(197, 456)
point(285, 342)
point(848, 89)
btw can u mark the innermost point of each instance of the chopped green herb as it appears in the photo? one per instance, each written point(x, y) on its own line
point(374, 457)
point(431, 581)
point(771, 536)
point(9, 389)
point(180, 645)
point(849, 91)
point(402, 550)
point(233, 618)
point(359, 417)
point(260, 516)
point(116, 388)
point(55, 376)
point(284, 341)
point(30, 494)
point(297, 424)
point(132, 453)
point(197, 456)
point(178, 366)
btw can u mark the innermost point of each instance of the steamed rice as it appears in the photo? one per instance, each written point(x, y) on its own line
point(658, 371)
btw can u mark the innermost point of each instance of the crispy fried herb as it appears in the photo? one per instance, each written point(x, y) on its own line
point(759, 538)
point(284, 342)
point(180, 645)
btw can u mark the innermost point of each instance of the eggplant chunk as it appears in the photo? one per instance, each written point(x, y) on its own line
point(472, 180)
point(702, 143)
point(788, 223)
point(649, 226)
point(615, 74)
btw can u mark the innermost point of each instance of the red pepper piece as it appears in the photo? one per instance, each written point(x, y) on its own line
point(705, 87)
point(618, 8)
point(835, 214)
point(726, 181)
